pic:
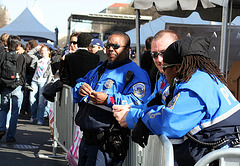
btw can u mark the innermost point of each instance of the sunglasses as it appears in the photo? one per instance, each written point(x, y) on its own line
point(164, 67)
point(114, 46)
point(156, 54)
point(73, 42)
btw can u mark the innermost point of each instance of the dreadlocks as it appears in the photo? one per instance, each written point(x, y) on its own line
point(191, 63)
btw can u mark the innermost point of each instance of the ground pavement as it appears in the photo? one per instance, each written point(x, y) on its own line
point(33, 147)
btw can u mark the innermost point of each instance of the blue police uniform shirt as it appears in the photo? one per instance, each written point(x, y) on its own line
point(198, 104)
point(112, 82)
point(161, 87)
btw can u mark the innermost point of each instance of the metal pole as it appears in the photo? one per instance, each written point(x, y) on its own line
point(138, 35)
point(229, 36)
point(69, 28)
point(223, 38)
point(56, 32)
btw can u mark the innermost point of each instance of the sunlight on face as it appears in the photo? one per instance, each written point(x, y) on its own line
point(44, 52)
point(119, 54)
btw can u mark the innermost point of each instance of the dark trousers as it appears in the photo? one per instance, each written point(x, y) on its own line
point(91, 155)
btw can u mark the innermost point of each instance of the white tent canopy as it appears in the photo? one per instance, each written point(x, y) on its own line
point(183, 8)
point(151, 28)
point(27, 25)
point(224, 10)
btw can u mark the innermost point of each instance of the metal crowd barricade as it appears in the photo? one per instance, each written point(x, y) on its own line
point(158, 152)
point(230, 156)
point(64, 119)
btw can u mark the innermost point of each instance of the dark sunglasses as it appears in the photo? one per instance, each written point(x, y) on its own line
point(156, 54)
point(73, 42)
point(114, 46)
point(164, 67)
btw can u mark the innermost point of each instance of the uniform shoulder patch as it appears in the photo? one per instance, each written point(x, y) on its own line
point(139, 90)
point(109, 83)
point(171, 104)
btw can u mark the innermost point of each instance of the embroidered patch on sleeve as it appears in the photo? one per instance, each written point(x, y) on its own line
point(171, 104)
point(165, 93)
point(139, 90)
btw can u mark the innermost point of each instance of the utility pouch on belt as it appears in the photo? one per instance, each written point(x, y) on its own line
point(114, 141)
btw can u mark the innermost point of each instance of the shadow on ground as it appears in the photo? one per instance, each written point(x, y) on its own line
point(32, 141)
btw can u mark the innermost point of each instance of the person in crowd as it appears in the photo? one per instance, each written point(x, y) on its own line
point(117, 80)
point(70, 48)
point(80, 62)
point(31, 45)
point(56, 55)
point(12, 95)
point(42, 75)
point(200, 120)
point(133, 55)
point(160, 42)
point(4, 39)
point(147, 64)
point(73, 45)
point(96, 47)
point(146, 58)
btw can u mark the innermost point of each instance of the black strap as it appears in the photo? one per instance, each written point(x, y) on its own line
point(128, 79)
point(173, 83)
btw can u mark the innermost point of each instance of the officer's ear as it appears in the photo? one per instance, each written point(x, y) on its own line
point(177, 67)
point(128, 49)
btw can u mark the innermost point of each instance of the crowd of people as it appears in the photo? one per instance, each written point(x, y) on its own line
point(36, 66)
point(165, 95)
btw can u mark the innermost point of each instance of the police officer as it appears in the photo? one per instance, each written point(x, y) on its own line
point(117, 80)
point(202, 114)
point(160, 42)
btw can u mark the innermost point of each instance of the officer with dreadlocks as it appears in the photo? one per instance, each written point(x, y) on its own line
point(202, 114)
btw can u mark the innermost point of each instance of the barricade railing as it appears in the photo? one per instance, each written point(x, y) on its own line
point(230, 156)
point(64, 118)
point(159, 150)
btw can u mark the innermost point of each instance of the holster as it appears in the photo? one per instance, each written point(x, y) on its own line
point(114, 141)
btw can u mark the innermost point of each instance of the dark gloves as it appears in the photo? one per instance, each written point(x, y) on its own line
point(140, 133)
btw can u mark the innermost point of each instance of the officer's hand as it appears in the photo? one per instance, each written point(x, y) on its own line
point(120, 113)
point(85, 90)
point(99, 98)
point(140, 133)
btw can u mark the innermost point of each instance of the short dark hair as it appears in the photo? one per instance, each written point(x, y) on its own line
point(125, 36)
point(13, 42)
point(148, 42)
point(33, 43)
point(84, 39)
point(74, 34)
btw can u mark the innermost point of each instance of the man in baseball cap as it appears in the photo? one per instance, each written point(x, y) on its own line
point(96, 47)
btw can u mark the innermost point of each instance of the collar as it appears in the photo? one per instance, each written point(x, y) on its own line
point(114, 65)
point(81, 48)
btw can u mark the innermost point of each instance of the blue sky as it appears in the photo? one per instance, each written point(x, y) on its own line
point(56, 12)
